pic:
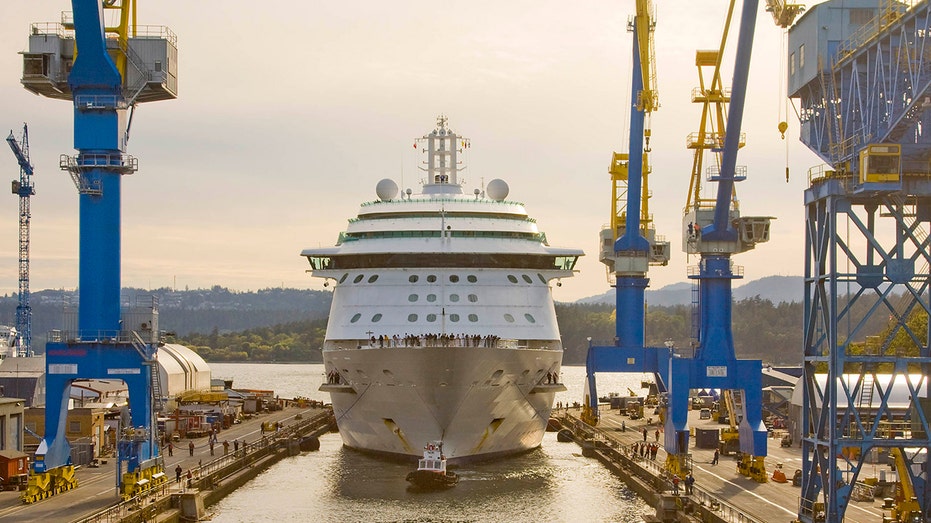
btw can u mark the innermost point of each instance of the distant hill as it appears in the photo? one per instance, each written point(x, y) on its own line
point(184, 312)
point(777, 289)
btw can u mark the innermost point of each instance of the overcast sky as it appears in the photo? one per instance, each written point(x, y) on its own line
point(290, 112)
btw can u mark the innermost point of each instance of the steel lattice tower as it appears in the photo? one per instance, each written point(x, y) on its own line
point(24, 189)
point(862, 73)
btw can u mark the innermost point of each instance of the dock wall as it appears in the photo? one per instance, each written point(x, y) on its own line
point(218, 478)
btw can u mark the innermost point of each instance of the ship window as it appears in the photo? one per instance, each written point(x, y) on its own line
point(542, 279)
point(527, 278)
point(453, 317)
point(453, 278)
point(512, 278)
point(355, 317)
point(412, 318)
point(473, 298)
point(453, 297)
point(508, 318)
point(376, 318)
point(530, 318)
point(358, 278)
point(412, 298)
point(473, 318)
point(372, 278)
point(341, 280)
point(431, 278)
point(431, 298)
point(413, 278)
point(472, 278)
point(431, 317)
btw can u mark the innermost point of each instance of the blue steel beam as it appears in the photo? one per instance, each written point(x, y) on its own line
point(872, 88)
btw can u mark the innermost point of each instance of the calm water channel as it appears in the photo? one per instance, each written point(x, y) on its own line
point(553, 483)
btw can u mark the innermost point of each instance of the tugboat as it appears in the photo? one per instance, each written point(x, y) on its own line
point(431, 470)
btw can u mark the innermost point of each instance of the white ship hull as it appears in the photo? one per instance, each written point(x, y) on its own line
point(479, 402)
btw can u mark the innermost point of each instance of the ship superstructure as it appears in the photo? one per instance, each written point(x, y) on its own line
point(442, 325)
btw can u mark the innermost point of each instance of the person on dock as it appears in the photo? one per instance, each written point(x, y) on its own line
point(171, 449)
point(675, 484)
point(226, 447)
point(190, 448)
point(656, 435)
point(236, 445)
point(689, 481)
point(178, 471)
point(644, 433)
point(211, 446)
point(714, 459)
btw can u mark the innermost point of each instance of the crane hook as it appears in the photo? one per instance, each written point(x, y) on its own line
point(783, 126)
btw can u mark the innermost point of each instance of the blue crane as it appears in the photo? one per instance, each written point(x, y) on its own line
point(24, 189)
point(712, 362)
point(109, 342)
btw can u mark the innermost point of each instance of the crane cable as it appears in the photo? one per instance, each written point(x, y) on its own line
point(783, 100)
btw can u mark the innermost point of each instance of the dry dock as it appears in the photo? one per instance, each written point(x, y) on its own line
point(214, 475)
point(720, 492)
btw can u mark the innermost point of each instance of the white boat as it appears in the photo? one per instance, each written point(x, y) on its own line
point(442, 325)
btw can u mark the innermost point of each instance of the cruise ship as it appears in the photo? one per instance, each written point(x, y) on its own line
point(442, 325)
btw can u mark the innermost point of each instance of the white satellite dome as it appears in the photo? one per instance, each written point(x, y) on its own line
point(386, 189)
point(497, 189)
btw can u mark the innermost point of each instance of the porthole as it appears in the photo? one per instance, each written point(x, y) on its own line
point(512, 278)
point(412, 298)
point(454, 278)
point(473, 318)
point(473, 298)
point(527, 279)
point(453, 298)
point(453, 317)
point(372, 278)
point(431, 298)
point(413, 278)
point(472, 278)
point(431, 278)
point(508, 318)
point(358, 278)
point(542, 279)
point(431, 317)
point(341, 280)
point(355, 317)
point(376, 318)
point(412, 318)
point(530, 318)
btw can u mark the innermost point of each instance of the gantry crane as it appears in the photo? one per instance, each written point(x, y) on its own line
point(107, 343)
point(859, 72)
point(716, 231)
point(25, 190)
point(630, 244)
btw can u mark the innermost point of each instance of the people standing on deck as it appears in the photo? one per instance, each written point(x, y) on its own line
point(675, 484)
point(689, 481)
